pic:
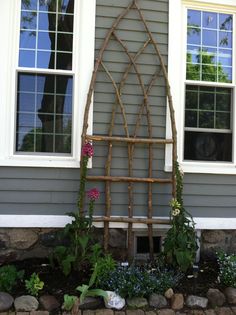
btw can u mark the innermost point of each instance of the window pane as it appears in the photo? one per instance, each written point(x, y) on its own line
point(194, 18)
point(208, 146)
point(191, 118)
point(225, 21)
point(208, 105)
point(209, 46)
point(44, 113)
point(47, 33)
point(210, 20)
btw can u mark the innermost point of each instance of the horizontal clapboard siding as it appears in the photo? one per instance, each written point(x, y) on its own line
point(54, 191)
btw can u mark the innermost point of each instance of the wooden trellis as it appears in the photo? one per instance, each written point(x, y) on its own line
point(133, 139)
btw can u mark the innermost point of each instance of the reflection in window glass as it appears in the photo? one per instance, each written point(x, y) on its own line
point(44, 113)
point(50, 25)
point(209, 46)
point(204, 106)
point(208, 146)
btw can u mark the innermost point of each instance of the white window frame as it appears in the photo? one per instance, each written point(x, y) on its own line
point(176, 74)
point(83, 63)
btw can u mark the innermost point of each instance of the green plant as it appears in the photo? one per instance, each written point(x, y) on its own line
point(79, 233)
point(86, 289)
point(9, 277)
point(34, 284)
point(105, 265)
point(180, 244)
point(139, 281)
point(69, 301)
point(227, 269)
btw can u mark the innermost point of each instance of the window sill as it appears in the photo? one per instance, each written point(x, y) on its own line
point(205, 168)
point(40, 161)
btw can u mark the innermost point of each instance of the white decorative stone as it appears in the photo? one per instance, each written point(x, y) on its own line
point(114, 301)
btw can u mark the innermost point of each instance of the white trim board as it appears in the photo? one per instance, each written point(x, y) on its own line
point(59, 221)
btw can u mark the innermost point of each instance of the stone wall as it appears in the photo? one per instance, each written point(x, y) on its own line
point(23, 243)
point(19, 243)
point(213, 240)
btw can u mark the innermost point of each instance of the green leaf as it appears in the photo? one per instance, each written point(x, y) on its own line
point(93, 276)
point(66, 264)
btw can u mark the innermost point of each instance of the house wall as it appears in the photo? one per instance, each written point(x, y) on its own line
point(53, 191)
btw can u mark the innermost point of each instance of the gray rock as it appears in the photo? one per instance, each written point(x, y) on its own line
point(6, 301)
point(117, 238)
point(194, 301)
point(7, 256)
point(137, 302)
point(4, 241)
point(91, 303)
point(52, 239)
point(166, 312)
point(215, 297)
point(157, 301)
point(22, 238)
point(230, 294)
point(26, 303)
point(212, 236)
point(49, 302)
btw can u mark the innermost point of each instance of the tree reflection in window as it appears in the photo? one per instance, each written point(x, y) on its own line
point(209, 46)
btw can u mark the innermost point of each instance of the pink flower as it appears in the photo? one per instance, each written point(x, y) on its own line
point(93, 194)
point(87, 149)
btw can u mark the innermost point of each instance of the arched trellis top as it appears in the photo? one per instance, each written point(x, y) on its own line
point(133, 139)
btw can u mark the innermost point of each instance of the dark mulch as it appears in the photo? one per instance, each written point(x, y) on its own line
point(57, 284)
point(198, 283)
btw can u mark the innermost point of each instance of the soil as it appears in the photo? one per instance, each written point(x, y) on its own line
point(55, 283)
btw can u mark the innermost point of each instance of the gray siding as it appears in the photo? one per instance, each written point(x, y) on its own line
point(54, 191)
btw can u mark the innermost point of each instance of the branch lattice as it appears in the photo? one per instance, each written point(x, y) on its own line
point(131, 140)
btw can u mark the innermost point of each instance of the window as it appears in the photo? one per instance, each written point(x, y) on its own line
point(202, 79)
point(47, 72)
point(208, 110)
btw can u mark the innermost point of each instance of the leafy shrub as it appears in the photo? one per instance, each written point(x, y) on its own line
point(9, 277)
point(34, 284)
point(227, 269)
point(135, 281)
point(105, 265)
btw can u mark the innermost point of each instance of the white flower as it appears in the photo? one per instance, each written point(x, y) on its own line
point(175, 212)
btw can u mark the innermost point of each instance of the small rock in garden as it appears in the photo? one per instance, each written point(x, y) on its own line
point(177, 301)
point(114, 301)
point(194, 301)
point(166, 312)
point(26, 303)
point(224, 311)
point(230, 294)
point(169, 293)
point(210, 312)
point(215, 297)
point(91, 303)
point(137, 302)
point(49, 302)
point(6, 301)
point(157, 301)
